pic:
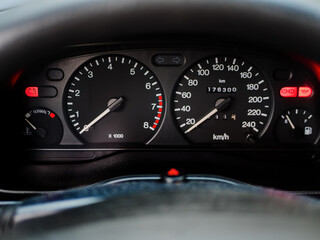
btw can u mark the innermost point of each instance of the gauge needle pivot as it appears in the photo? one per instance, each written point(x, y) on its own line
point(218, 108)
point(110, 108)
point(290, 122)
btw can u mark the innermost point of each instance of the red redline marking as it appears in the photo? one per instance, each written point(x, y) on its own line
point(159, 112)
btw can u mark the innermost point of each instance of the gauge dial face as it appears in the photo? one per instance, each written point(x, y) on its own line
point(222, 99)
point(42, 127)
point(297, 126)
point(114, 99)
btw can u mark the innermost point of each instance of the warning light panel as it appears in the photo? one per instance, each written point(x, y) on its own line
point(289, 92)
point(32, 92)
point(41, 92)
point(305, 92)
point(301, 92)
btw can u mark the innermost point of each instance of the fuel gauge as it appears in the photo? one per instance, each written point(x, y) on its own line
point(42, 127)
point(297, 126)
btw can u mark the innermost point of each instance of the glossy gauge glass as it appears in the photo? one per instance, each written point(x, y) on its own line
point(223, 99)
point(297, 126)
point(114, 99)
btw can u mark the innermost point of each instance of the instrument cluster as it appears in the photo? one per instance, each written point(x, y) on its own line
point(170, 99)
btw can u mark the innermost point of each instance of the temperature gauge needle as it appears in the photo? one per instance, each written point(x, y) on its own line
point(218, 108)
point(110, 108)
point(290, 122)
point(39, 131)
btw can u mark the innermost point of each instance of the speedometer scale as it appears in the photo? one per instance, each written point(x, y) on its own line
point(223, 99)
point(114, 99)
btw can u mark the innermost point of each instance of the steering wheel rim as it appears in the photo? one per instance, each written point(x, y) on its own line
point(182, 210)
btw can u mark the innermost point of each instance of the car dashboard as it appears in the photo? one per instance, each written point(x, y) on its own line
point(152, 116)
point(139, 108)
point(90, 107)
point(159, 98)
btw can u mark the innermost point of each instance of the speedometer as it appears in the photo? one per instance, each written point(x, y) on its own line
point(223, 99)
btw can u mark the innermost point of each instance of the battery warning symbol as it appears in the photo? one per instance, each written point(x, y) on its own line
point(32, 92)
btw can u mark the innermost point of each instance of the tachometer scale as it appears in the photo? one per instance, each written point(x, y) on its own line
point(114, 99)
point(223, 99)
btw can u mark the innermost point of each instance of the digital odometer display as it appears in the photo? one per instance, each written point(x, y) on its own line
point(222, 99)
point(114, 99)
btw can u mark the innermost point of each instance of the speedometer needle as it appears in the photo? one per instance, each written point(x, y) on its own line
point(110, 108)
point(220, 107)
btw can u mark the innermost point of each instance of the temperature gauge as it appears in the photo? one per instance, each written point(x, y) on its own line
point(42, 127)
point(297, 126)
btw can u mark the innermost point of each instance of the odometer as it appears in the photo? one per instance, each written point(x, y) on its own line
point(114, 99)
point(223, 99)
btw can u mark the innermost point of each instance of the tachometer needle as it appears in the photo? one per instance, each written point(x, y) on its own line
point(290, 122)
point(110, 108)
point(218, 108)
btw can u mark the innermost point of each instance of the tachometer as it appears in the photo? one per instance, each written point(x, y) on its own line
point(114, 99)
point(223, 99)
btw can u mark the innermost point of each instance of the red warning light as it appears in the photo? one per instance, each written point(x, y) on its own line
point(289, 92)
point(52, 115)
point(173, 172)
point(305, 92)
point(32, 92)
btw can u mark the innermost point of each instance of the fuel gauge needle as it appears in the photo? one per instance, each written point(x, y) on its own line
point(110, 108)
point(290, 122)
point(220, 107)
